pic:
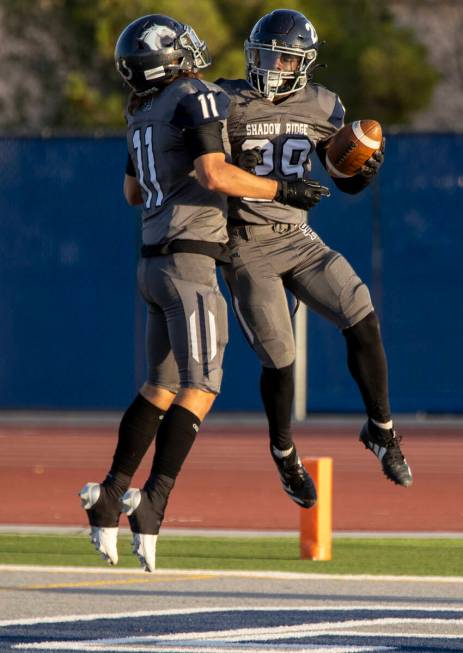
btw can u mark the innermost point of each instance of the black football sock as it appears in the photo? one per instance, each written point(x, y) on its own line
point(277, 392)
point(367, 364)
point(173, 443)
point(136, 432)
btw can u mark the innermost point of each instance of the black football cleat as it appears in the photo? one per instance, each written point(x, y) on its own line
point(295, 479)
point(385, 444)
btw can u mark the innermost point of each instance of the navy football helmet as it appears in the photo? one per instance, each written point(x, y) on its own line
point(153, 49)
point(280, 53)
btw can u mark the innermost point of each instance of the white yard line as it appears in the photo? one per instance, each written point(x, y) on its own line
point(281, 575)
point(348, 607)
point(37, 529)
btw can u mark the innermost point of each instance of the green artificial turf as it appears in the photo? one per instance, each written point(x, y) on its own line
point(439, 557)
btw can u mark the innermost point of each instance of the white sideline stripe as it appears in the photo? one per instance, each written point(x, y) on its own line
point(282, 632)
point(230, 637)
point(19, 529)
point(181, 611)
point(363, 138)
point(278, 575)
point(187, 649)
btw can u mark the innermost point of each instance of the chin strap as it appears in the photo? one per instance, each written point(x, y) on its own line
point(316, 67)
point(321, 44)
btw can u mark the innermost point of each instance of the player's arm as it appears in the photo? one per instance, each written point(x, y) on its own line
point(132, 190)
point(358, 182)
point(214, 173)
point(355, 184)
point(201, 118)
point(205, 146)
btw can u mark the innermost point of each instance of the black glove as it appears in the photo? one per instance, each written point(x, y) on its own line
point(249, 159)
point(301, 194)
point(374, 163)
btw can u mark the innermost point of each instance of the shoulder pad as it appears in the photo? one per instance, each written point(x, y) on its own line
point(205, 103)
point(338, 115)
point(231, 85)
point(331, 105)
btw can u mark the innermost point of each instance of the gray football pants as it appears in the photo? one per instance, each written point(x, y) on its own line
point(265, 263)
point(186, 328)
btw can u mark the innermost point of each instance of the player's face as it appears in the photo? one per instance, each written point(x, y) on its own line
point(279, 61)
point(287, 63)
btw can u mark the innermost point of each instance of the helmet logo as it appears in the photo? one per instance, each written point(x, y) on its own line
point(313, 34)
point(158, 37)
point(124, 70)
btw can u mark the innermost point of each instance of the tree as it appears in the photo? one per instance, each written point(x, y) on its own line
point(66, 75)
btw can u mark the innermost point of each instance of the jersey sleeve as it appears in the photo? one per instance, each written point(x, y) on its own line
point(338, 114)
point(204, 139)
point(200, 108)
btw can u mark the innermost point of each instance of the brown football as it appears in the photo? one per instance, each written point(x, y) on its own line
point(351, 146)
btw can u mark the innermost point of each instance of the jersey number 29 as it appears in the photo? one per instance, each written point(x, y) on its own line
point(294, 156)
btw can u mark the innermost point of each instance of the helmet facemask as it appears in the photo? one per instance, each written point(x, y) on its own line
point(189, 40)
point(275, 70)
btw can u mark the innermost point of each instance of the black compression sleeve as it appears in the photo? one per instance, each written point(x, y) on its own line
point(204, 139)
point(367, 364)
point(277, 392)
point(351, 185)
point(129, 169)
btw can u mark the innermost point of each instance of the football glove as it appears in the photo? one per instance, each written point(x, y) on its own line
point(249, 159)
point(374, 163)
point(302, 194)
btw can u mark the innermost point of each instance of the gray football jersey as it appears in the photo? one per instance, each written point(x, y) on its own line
point(286, 133)
point(175, 205)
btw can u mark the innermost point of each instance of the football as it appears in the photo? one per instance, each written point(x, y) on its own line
point(352, 146)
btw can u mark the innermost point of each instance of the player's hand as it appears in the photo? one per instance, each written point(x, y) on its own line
point(249, 159)
point(301, 194)
point(374, 163)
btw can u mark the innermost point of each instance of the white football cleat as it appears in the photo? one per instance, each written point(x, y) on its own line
point(105, 541)
point(144, 547)
point(143, 523)
point(103, 519)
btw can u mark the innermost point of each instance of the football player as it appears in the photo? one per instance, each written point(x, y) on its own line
point(177, 173)
point(278, 118)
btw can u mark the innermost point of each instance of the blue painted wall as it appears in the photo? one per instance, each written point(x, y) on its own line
point(71, 327)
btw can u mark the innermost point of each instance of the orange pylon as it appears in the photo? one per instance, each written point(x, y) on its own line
point(316, 524)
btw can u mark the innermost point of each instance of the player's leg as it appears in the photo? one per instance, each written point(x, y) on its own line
point(197, 324)
point(328, 284)
point(367, 363)
point(137, 430)
point(261, 307)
